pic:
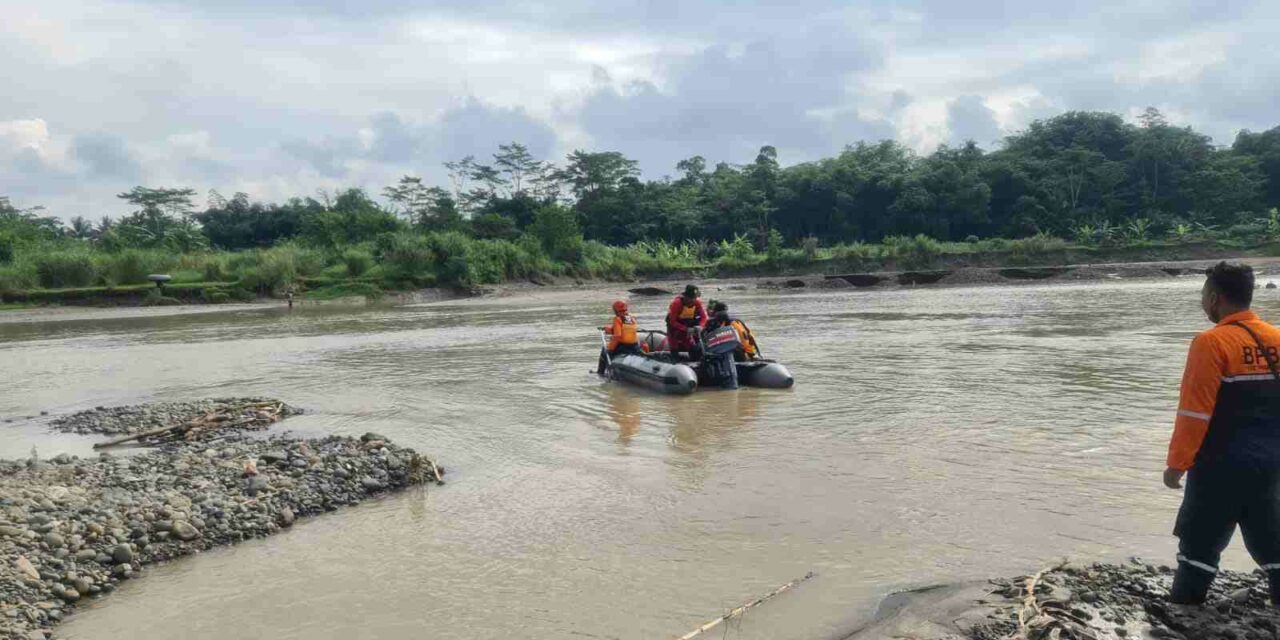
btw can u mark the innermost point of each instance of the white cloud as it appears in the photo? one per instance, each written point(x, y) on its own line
point(1178, 59)
point(281, 97)
point(30, 137)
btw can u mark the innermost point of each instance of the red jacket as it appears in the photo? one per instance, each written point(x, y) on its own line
point(677, 316)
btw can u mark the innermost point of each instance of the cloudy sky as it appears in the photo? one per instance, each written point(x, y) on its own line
point(284, 97)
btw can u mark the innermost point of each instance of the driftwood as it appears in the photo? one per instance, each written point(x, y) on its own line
point(743, 609)
point(259, 414)
point(435, 471)
point(1048, 619)
point(418, 469)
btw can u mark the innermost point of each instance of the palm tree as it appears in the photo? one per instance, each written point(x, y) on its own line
point(81, 228)
point(104, 225)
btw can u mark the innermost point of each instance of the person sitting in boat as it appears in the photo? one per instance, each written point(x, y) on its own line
point(623, 336)
point(685, 318)
point(750, 349)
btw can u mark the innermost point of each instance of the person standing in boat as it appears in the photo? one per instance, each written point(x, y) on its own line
point(685, 318)
point(623, 336)
point(1226, 439)
point(750, 349)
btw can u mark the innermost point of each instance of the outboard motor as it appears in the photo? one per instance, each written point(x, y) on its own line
point(718, 347)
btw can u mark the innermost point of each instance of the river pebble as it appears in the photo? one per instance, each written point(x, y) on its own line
point(75, 528)
point(1113, 601)
point(146, 417)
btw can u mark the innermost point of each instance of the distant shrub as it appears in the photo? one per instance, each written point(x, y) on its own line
point(357, 261)
point(774, 246)
point(810, 248)
point(215, 270)
point(265, 271)
point(132, 266)
point(16, 279)
point(557, 228)
point(406, 257)
point(452, 259)
point(61, 270)
point(917, 252)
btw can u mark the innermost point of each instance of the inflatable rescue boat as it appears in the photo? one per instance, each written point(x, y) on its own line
point(665, 372)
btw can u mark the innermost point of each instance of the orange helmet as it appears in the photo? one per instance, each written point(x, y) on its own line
point(620, 307)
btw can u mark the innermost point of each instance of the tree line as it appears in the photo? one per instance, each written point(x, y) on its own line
point(1077, 175)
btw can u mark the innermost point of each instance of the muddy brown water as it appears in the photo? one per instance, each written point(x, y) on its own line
point(934, 435)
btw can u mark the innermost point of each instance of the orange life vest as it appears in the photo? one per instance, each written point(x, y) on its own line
point(688, 312)
point(623, 330)
point(744, 336)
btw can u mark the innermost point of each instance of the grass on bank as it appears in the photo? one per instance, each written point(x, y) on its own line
point(62, 272)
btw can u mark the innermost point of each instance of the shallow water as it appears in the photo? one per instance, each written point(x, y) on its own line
point(934, 435)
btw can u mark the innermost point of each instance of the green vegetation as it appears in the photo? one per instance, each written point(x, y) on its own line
point(1075, 187)
point(345, 290)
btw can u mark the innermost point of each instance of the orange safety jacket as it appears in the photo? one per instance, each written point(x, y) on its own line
point(1230, 400)
point(622, 331)
point(744, 335)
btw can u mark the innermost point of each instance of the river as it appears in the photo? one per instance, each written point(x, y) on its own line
point(933, 435)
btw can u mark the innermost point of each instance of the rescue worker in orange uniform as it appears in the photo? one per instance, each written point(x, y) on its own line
point(1226, 438)
point(686, 317)
point(623, 336)
point(750, 349)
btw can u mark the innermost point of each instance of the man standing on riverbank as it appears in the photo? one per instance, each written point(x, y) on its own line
point(1226, 439)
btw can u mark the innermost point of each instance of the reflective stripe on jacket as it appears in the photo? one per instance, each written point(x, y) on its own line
point(1229, 407)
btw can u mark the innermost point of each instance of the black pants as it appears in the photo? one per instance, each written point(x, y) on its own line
point(1219, 496)
point(622, 349)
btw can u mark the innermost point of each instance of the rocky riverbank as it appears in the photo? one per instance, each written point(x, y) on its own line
point(1082, 602)
point(72, 528)
point(149, 417)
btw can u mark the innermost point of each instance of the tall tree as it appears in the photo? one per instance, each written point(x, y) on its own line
point(157, 203)
point(240, 224)
point(762, 191)
point(352, 218)
point(945, 197)
point(163, 217)
point(1228, 189)
point(693, 171)
point(1265, 148)
point(409, 196)
point(590, 174)
point(1164, 155)
point(515, 161)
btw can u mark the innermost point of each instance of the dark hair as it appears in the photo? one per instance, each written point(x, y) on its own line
point(1232, 281)
point(717, 307)
point(691, 292)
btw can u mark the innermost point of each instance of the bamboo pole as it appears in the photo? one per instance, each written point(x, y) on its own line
point(743, 609)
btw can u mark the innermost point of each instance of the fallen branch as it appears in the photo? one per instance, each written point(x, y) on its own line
point(740, 610)
point(259, 414)
point(136, 436)
point(1035, 622)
